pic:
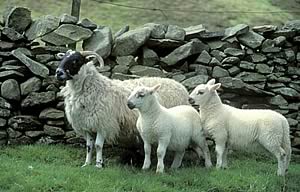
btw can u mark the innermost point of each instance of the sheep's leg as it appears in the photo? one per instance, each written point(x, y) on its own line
point(147, 160)
point(225, 162)
point(220, 148)
point(161, 152)
point(177, 159)
point(202, 144)
point(89, 149)
point(99, 148)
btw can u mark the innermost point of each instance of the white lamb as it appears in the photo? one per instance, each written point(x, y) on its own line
point(173, 128)
point(97, 105)
point(241, 128)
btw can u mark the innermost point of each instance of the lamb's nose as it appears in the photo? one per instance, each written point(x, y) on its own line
point(191, 101)
point(130, 105)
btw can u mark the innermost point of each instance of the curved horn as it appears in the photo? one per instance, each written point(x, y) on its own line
point(92, 53)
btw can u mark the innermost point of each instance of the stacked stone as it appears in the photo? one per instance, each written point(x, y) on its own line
point(258, 67)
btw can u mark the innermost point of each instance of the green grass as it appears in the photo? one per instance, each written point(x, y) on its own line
point(57, 168)
point(117, 17)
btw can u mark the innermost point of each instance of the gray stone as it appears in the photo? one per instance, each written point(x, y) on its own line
point(284, 32)
point(217, 44)
point(4, 113)
point(164, 43)
point(251, 77)
point(293, 71)
point(290, 55)
point(42, 26)
point(236, 30)
point(10, 75)
point(52, 65)
point(298, 57)
point(11, 34)
point(204, 58)
point(10, 90)
point(3, 122)
point(33, 84)
point(52, 88)
point(275, 85)
point(295, 86)
point(264, 29)
point(56, 122)
point(202, 70)
point(192, 82)
point(3, 134)
point(214, 62)
point(193, 31)
point(24, 123)
point(121, 31)
point(20, 69)
point(44, 58)
point(280, 61)
point(67, 34)
point(278, 100)
point(13, 134)
point(158, 31)
point(280, 41)
point(4, 104)
point(38, 99)
point(247, 65)
point(25, 51)
point(184, 51)
point(269, 46)
point(296, 39)
point(120, 69)
point(286, 92)
point(231, 60)
point(149, 57)
point(278, 77)
point(35, 67)
point(23, 140)
point(219, 55)
point(34, 133)
point(101, 42)
point(175, 33)
point(231, 83)
point(126, 60)
point(86, 23)
point(12, 62)
point(258, 58)
point(234, 52)
point(128, 43)
point(53, 131)
point(252, 90)
point(219, 72)
point(18, 18)
point(141, 70)
point(292, 122)
point(51, 113)
point(251, 39)
point(209, 35)
point(264, 69)
point(293, 25)
point(68, 19)
point(179, 77)
point(234, 70)
point(49, 80)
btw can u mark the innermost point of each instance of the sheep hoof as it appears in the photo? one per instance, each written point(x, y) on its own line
point(99, 165)
point(159, 171)
point(85, 164)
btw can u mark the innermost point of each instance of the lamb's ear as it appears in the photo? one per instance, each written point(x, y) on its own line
point(214, 87)
point(211, 82)
point(155, 88)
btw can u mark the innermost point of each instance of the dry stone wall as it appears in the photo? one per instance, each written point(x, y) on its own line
point(258, 67)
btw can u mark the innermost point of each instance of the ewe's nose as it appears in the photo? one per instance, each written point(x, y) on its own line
point(59, 74)
point(130, 105)
point(191, 101)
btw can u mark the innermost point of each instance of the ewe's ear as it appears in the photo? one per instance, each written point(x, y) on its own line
point(211, 82)
point(155, 88)
point(214, 87)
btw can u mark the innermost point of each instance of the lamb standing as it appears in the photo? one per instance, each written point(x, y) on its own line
point(174, 128)
point(97, 105)
point(241, 128)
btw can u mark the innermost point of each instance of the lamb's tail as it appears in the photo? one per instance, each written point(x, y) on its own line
point(286, 142)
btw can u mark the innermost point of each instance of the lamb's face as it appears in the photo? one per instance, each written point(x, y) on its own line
point(198, 94)
point(70, 65)
point(137, 97)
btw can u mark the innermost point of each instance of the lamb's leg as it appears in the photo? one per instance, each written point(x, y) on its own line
point(225, 162)
point(147, 160)
point(161, 152)
point(99, 147)
point(89, 149)
point(177, 159)
point(220, 148)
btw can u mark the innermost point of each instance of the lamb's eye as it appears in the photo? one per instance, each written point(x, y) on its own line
point(200, 92)
point(140, 95)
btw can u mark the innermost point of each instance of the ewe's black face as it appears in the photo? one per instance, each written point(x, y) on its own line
point(69, 65)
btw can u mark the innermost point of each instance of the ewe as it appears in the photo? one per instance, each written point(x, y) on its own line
point(97, 105)
point(240, 128)
point(173, 128)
